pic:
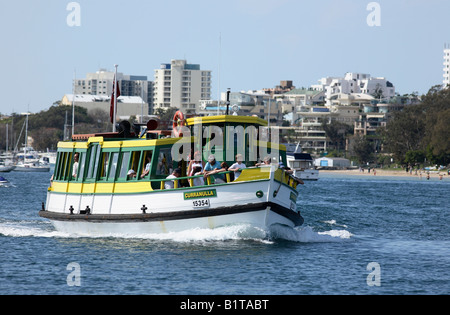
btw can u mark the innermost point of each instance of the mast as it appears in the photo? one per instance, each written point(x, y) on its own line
point(26, 139)
point(115, 99)
point(7, 138)
point(73, 103)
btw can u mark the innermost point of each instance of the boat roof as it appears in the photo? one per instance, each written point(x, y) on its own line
point(300, 156)
point(226, 119)
point(123, 143)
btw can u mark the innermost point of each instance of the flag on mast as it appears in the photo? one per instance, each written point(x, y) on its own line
point(113, 107)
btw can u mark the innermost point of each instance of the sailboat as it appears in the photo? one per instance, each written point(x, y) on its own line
point(30, 163)
point(6, 164)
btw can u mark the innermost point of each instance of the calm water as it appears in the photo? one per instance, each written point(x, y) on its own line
point(401, 224)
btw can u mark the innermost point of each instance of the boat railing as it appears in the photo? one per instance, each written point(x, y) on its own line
point(190, 180)
point(285, 178)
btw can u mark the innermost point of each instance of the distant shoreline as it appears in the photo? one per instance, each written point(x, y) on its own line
point(380, 172)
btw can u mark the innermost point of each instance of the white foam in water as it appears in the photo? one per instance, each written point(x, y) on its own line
point(333, 222)
point(225, 233)
point(233, 232)
point(308, 235)
point(16, 230)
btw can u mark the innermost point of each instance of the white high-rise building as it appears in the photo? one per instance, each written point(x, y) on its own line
point(447, 65)
point(181, 85)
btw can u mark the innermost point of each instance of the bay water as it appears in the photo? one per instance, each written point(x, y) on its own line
point(362, 235)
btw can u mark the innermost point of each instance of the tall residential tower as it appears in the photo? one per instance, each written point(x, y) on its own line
point(181, 85)
point(447, 65)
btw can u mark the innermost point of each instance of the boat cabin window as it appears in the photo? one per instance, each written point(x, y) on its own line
point(93, 162)
point(105, 165)
point(113, 165)
point(146, 167)
point(64, 166)
point(135, 161)
point(125, 163)
point(79, 175)
point(108, 165)
point(165, 166)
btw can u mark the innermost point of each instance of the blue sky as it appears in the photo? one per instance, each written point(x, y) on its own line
point(263, 42)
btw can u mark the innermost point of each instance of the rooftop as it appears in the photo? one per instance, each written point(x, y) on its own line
point(84, 98)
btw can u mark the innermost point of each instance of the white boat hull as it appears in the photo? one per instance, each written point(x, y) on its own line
point(26, 168)
point(259, 204)
point(308, 174)
point(259, 219)
point(7, 169)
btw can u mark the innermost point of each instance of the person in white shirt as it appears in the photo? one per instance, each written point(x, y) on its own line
point(170, 184)
point(76, 157)
point(238, 166)
point(198, 181)
point(147, 166)
point(196, 161)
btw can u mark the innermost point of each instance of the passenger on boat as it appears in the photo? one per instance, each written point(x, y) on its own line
point(238, 166)
point(147, 166)
point(76, 157)
point(131, 174)
point(213, 167)
point(171, 184)
point(198, 181)
point(197, 161)
point(267, 160)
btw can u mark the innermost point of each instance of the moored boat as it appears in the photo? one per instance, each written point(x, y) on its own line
point(32, 167)
point(6, 168)
point(302, 166)
point(121, 183)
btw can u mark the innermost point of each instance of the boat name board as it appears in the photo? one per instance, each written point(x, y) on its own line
point(293, 197)
point(211, 193)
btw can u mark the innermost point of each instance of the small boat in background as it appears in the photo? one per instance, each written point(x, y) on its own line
point(301, 163)
point(4, 182)
point(31, 167)
point(6, 168)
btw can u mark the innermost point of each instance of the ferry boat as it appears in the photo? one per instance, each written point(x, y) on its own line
point(116, 183)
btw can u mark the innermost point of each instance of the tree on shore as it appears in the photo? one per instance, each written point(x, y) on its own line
point(421, 130)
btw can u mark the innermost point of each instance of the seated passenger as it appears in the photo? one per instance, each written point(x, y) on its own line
point(212, 168)
point(197, 161)
point(238, 166)
point(171, 184)
point(131, 174)
point(266, 162)
point(147, 166)
point(198, 181)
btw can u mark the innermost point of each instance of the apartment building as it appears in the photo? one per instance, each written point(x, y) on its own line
point(101, 83)
point(181, 85)
point(127, 106)
point(446, 65)
point(353, 83)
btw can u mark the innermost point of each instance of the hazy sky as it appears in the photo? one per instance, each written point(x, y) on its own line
point(263, 42)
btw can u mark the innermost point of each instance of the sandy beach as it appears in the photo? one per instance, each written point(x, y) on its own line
point(379, 172)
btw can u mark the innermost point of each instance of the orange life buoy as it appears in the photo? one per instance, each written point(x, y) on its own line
point(178, 122)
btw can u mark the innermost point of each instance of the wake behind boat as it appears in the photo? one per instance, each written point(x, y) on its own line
point(138, 182)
